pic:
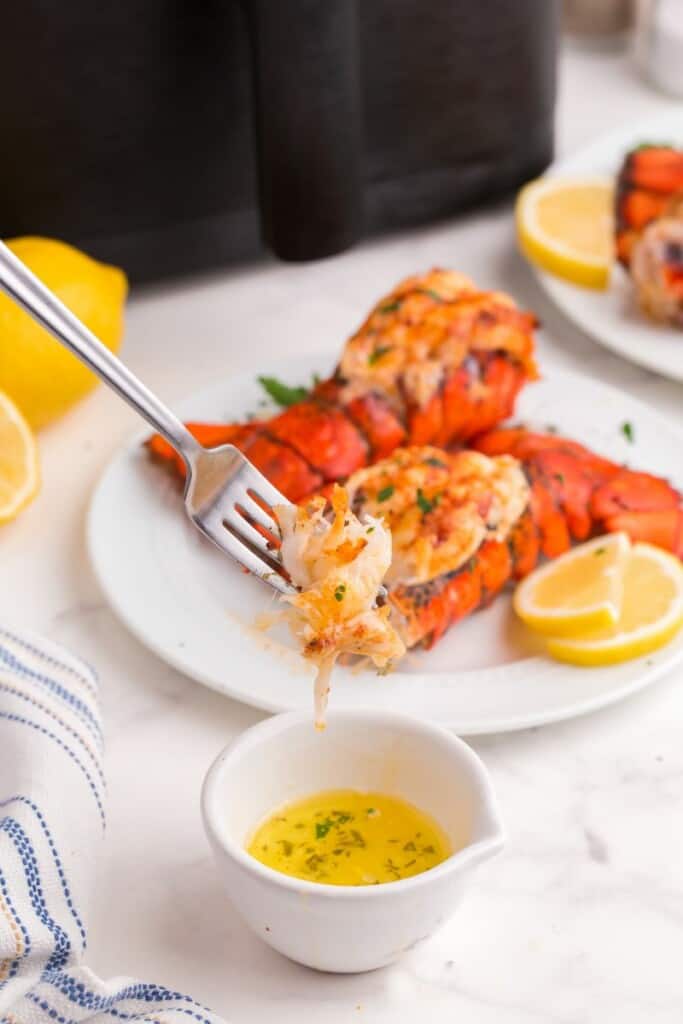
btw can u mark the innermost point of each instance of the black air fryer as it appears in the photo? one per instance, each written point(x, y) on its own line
point(173, 135)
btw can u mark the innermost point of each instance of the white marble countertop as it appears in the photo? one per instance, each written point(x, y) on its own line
point(581, 918)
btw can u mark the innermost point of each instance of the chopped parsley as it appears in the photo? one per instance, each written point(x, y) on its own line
point(338, 818)
point(432, 294)
point(345, 844)
point(282, 393)
point(339, 592)
point(390, 307)
point(377, 354)
point(432, 461)
point(385, 493)
point(628, 431)
point(559, 477)
point(599, 551)
point(425, 504)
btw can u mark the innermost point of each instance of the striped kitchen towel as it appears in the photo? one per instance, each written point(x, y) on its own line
point(52, 823)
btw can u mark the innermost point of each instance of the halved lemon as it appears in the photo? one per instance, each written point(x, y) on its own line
point(651, 613)
point(19, 473)
point(580, 592)
point(567, 228)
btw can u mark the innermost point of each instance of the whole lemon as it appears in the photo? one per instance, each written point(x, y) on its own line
point(38, 373)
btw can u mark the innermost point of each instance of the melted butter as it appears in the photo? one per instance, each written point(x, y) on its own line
point(345, 837)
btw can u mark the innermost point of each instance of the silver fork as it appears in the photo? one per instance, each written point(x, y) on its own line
point(225, 496)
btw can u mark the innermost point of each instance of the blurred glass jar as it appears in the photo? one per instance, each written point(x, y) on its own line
point(602, 22)
point(658, 43)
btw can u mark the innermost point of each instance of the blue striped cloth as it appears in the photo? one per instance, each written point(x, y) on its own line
point(52, 822)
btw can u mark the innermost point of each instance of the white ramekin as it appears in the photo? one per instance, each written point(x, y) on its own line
point(347, 928)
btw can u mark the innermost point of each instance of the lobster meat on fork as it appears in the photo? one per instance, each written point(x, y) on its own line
point(436, 362)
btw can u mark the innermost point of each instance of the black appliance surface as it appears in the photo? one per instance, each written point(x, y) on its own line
point(174, 135)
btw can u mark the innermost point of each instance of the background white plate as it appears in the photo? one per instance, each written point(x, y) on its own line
point(612, 317)
point(190, 605)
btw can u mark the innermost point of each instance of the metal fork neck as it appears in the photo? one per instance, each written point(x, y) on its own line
point(17, 281)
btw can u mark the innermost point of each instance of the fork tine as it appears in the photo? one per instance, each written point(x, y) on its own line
point(256, 546)
point(263, 489)
point(252, 533)
point(268, 536)
point(230, 501)
point(229, 540)
point(254, 509)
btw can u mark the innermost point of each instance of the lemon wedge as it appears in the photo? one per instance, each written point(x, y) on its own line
point(580, 592)
point(651, 613)
point(19, 473)
point(35, 370)
point(567, 228)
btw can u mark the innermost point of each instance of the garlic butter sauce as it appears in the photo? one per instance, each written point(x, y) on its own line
point(346, 837)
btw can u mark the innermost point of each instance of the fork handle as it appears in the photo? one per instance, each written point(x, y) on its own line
point(17, 281)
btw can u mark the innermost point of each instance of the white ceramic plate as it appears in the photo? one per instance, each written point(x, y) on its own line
point(612, 317)
point(190, 605)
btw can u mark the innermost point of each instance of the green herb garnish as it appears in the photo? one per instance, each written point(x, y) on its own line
point(390, 307)
point(386, 493)
point(559, 477)
point(323, 827)
point(432, 294)
point(599, 551)
point(628, 431)
point(282, 393)
point(435, 462)
point(426, 505)
point(377, 354)
point(339, 592)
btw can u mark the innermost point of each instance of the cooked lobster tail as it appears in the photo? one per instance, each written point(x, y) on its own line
point(572, 494)
point(649, 179)
point(436, 362)
point(576, 493)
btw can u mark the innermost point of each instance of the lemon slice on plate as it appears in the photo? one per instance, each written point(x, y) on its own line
point(567, 228)
point(651, 613)
point(580, 592)
point(19, 473)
